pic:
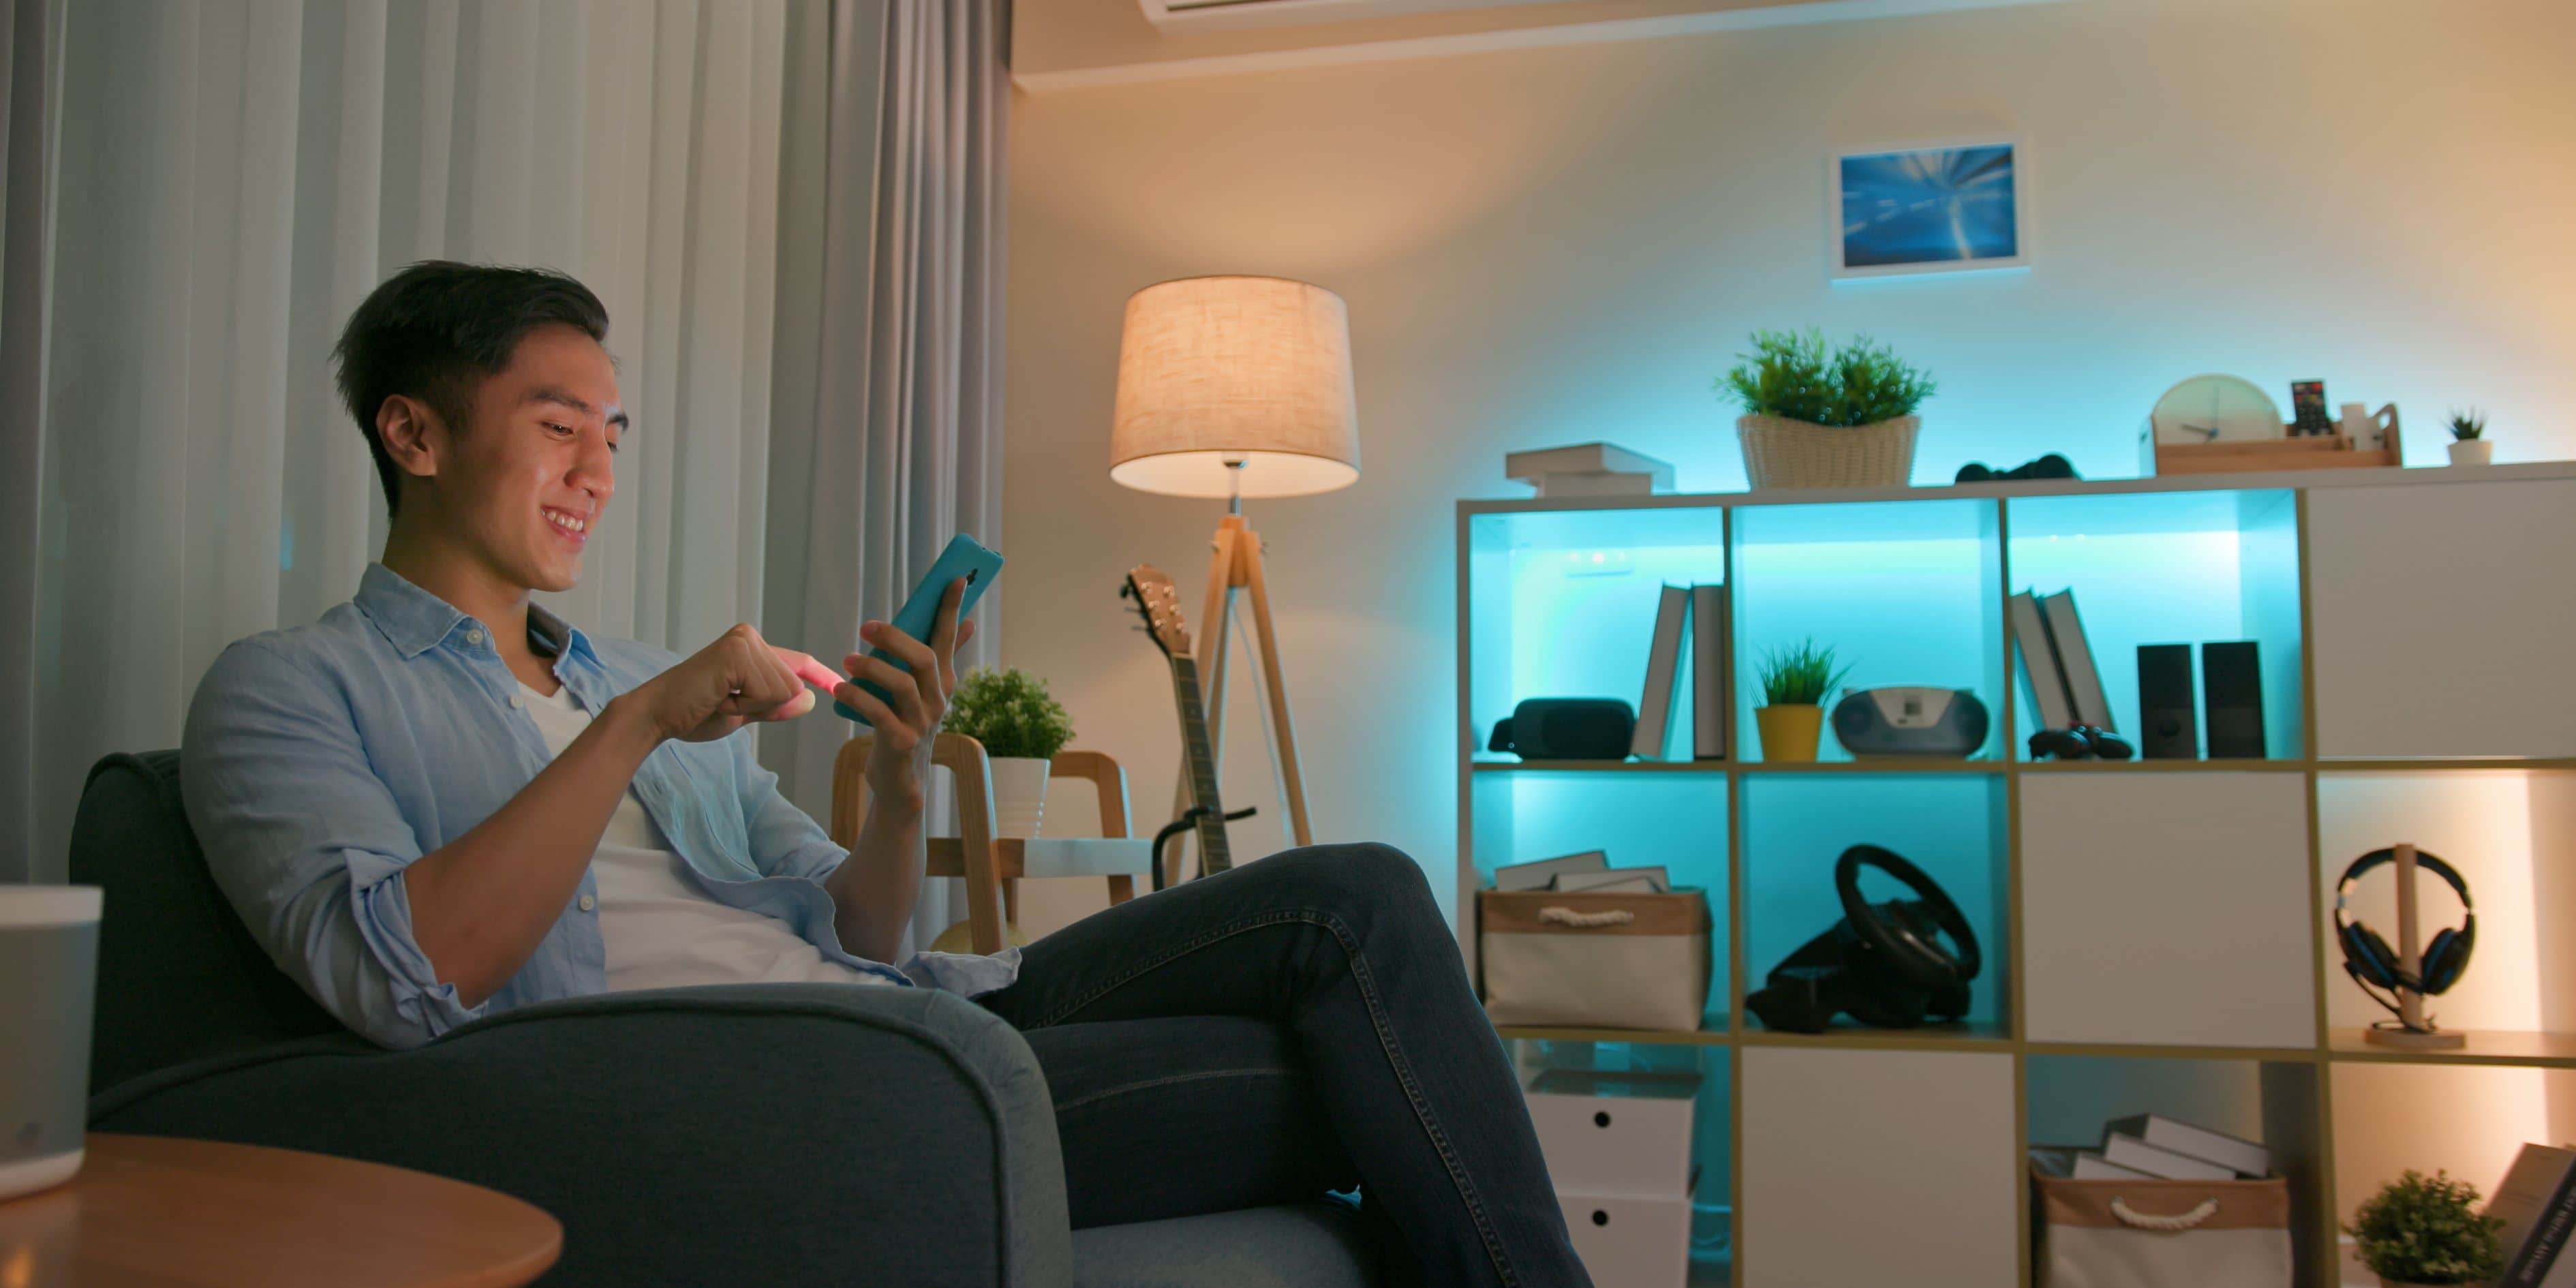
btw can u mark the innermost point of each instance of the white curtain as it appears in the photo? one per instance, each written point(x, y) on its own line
point(889, 369)
point(230, 179)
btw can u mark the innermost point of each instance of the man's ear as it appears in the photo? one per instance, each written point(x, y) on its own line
point(412, 434)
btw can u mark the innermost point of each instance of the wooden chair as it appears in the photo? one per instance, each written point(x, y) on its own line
point(993, 866)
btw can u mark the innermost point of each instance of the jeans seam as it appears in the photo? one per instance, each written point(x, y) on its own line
point(1122, 1089)
point(1377, 1019)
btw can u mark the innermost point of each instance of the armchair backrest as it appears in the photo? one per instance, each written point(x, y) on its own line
point(179, 978)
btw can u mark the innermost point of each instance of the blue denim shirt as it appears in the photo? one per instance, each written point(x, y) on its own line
point(320, 761)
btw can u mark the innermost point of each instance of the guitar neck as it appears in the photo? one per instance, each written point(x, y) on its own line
point(1201, 761)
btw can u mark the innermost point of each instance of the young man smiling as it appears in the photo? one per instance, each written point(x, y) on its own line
point(442, 801)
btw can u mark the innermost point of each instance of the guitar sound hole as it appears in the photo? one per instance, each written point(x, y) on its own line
point(1600, 1217)
point(1601, 1119)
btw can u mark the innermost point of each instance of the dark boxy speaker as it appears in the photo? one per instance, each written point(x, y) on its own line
point(1566, 729)
point(2231, 678)
point(2168, 718)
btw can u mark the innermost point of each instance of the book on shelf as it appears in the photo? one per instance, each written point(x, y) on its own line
point(1711, 636)
point(1655, 707)
point(1650, 880)
point(2244, 1156)
point(2137, 1155)
point(1538, 873)
point(2075, 661)
point(1595, 483)
point(2537, 1203)
point(2091, 1166)
point(2039, 664)
point(1536, 464)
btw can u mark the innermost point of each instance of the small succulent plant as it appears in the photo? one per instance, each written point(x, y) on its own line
point(1800, 676)
point(1010, 712)
point(2467, 425)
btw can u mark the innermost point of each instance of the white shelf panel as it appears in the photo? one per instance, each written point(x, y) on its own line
point(1878, 1167)
point(2442, 619)
point(2167, 909)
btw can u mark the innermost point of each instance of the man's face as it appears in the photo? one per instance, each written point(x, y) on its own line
point(527, 481)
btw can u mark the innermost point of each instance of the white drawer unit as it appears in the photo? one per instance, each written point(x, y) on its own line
point(1614, 1133)
point(1630, 1240)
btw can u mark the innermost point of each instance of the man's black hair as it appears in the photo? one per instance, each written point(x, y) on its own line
point(438, 329)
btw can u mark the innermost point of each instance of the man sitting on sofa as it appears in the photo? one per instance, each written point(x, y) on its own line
point(442, 801)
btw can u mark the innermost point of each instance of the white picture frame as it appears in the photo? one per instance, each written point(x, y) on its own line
point(1982, 223)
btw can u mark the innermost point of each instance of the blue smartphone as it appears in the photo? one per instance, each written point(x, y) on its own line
point(965, 557)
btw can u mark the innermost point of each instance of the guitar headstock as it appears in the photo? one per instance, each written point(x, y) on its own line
point(1160, 603)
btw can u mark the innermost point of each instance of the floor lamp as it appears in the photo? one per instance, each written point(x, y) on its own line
point(1237, 387)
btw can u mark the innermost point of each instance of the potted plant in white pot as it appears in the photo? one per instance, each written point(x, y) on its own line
point(2420, 1230)
point(1791, 718)
point(2469, 445)
point(1819, 416)
point(1022, 727)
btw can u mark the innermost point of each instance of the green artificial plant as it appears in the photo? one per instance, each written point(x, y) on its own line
point(1798, 377)
point(1010, 712)
point(2427, 1230)
point(1800, 676)
point(2467, 425)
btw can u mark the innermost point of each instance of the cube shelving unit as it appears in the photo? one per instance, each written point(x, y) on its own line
point(2157, 934)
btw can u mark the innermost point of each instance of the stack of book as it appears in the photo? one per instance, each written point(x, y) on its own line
point(2537, 1203)
point(1588, 469)
point(1589, 870)
point(2154, 1147)
point(1703, 609)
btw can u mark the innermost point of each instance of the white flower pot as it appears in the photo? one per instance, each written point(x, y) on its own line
point(2471, 451)
point(1019, 794)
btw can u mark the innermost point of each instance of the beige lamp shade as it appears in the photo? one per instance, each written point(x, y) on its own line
point(1250, 370)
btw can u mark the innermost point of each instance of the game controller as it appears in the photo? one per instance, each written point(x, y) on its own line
point(2083, 742)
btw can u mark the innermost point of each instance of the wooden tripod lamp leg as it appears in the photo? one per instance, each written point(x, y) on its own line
point(1275, 679)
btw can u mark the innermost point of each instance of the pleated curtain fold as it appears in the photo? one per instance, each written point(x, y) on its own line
point(790, 207)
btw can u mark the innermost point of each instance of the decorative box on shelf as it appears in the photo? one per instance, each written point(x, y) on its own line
point(2306, 452)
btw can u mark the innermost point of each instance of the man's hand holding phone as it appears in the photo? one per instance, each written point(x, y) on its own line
point(898, 765)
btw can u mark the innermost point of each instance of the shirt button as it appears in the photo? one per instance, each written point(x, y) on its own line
point(518, 700)
point(473, 637)
point(588, 903)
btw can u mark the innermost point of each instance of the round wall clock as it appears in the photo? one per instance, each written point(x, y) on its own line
point(2216, 409)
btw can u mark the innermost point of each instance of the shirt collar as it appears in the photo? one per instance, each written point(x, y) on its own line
point(414, 620)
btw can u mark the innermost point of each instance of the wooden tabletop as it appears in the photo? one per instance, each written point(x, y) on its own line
point(167, 1213)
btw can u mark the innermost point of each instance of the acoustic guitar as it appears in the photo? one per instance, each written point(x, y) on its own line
point(1160, 604)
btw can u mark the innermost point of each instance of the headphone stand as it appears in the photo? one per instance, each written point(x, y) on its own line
point(2416, 1033)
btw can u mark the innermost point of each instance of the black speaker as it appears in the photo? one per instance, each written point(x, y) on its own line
point(1566, 729)
point(2231, 678)
point(2168, 724)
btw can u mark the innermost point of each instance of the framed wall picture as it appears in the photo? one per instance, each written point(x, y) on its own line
point(1929, 208)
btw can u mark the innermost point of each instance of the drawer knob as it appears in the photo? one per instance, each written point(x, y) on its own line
point(1600, 1217)
point(1601, 1119)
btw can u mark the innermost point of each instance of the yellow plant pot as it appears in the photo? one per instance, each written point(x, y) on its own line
point(1790, 732)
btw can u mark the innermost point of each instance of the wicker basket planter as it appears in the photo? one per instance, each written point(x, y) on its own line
point(1793, 453)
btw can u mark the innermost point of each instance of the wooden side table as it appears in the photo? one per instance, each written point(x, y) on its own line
point(166, 1212)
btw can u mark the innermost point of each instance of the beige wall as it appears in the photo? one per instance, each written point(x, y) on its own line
point(1555, 245)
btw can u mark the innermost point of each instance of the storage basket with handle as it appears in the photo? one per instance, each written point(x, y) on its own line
point(2160, 1234)
point(1622, 961)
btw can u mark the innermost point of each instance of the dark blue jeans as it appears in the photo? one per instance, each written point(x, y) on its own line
point(1293, 1026)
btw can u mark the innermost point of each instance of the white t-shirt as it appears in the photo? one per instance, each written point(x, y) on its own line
point(661, 930)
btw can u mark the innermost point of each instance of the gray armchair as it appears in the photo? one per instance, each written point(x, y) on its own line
point(757, 1135)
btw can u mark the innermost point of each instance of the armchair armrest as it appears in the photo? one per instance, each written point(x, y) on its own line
point(765, 1134)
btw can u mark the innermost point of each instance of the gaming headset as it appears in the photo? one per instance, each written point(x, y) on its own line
point(2374, 965)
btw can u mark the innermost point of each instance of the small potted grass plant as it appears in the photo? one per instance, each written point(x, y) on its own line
point(1826, 416)
point(1794, 684)
point(2469, 445)
point(1022, 727)
point(2420, 1230)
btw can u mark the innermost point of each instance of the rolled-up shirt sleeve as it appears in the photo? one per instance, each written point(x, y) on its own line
point(309, 844)
point(785, 840)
